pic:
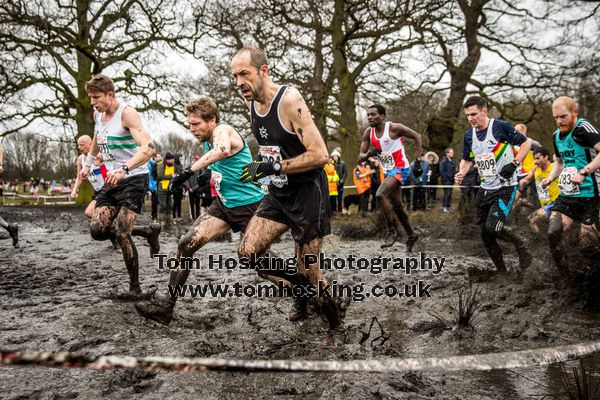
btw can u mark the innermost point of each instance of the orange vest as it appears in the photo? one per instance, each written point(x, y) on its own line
point(362, 184)
point(332, 178)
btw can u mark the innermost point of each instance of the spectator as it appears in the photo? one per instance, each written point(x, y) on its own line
point(419, 172)
point(447, 171)
point(342, 171)
point(333, 179)
point(177, 192)
point(376, 178)
point(152, 175)
point(194, 193)
point(362, 179)
point(165, 171)
point(434, 174)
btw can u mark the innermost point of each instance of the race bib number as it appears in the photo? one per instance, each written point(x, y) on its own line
point(486, 165)
point(272, 154)
point(543, 193)
point(107, 156)
point(564, 181)
point(217, 178)
point(387, 161)
point(96, 179)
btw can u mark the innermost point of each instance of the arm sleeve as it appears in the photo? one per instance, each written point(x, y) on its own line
point(586, 135)
point(507, 133)
point(467, 147)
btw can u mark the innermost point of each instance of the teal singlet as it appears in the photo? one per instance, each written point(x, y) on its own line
point(226, 176)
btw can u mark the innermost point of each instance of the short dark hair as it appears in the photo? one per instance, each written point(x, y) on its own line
point(476, 101)
point(258, 57)
point(542, 151)
point(379, 107)
point(448, 149)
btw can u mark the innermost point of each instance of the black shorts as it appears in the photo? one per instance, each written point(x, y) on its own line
point(130, 193)
point(580, 209)
point(495, 204)
point(237, 217)
point(304, 207)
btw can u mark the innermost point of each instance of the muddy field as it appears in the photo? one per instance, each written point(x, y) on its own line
point(53, 297)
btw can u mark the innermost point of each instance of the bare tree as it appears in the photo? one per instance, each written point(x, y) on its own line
point(335, 52)
point(51, 48)
point(506, 37)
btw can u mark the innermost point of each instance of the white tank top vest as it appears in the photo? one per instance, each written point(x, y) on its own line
point(392, 150)
point(96, 175)
point(116, 144)
point(490, 157)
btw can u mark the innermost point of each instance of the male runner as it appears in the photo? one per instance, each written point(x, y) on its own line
point(489, 144)
point(547, 195)
point(225, 153)
point(97, 176)
point(13, 229)
point(126, 147)
point(387, 141)
point(293, 152)
point(576, 164)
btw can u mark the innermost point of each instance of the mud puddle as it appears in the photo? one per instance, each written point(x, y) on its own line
point(52, 297)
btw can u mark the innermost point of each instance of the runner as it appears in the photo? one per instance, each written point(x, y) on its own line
point(293, 153)
point(126, 148)
point(489, 144)
point(387, 141)
point(96, 177)
point(225, 153)
point(13, 228)
point(548, 195)
point(576, 164)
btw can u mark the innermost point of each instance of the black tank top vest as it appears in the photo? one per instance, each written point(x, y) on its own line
point(269, 131)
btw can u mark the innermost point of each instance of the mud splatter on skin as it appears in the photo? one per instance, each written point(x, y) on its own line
point(301, 133)
point(299, 113)
point(54, 305)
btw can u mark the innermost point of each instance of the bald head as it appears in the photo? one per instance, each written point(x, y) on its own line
point(84, 143)
point(256, 57)
point(522, 129)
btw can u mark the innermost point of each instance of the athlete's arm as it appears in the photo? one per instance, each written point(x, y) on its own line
point(78, 180)
point(556, 169)
point(222, 148)
point(132, 122)
point(463, 168)
point(397, 130)
point(364, 145)
point(528, 179)
point(523, 150)
point(295, 111)
point(588, 169)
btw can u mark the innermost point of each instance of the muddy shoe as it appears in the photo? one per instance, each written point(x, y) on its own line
point(156, 310)
point(13, 231)
point(410, 243)
point(390, 238)
point(152, 239)
point(130, 295)
point(299, 308)
point(525, 259)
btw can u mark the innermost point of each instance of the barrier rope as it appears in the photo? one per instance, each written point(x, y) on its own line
point(480, 362)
